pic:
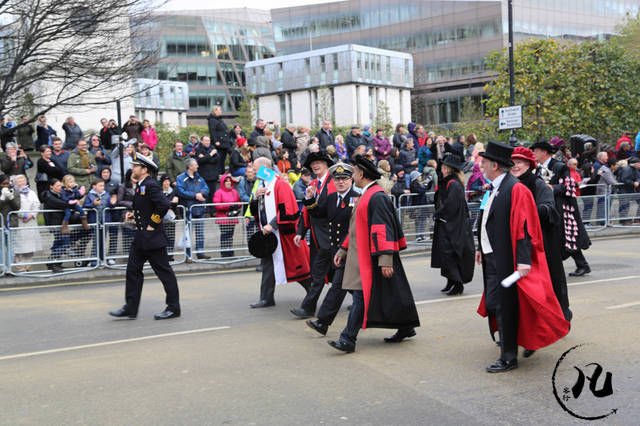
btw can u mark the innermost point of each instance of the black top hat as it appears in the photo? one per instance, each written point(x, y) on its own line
point(341, 170)
point(543, 144)
point(317, 156)
point(368, 168)
point(143, 161)
point(498, 152)
point(452, 161)
point(261, 245)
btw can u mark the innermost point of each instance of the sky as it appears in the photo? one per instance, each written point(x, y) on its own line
point(253, 4)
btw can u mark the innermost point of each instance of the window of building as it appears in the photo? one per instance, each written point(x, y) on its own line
point(161, 95)
point(407, 77)
point(388, 61)
point(315, 104)
point(371, 105)
point(283, 109)
point(289, 108)
point(172, 96)
point(160, 117)
point(335, 67)
point(179, 119)
point(358, 104)
point(307, 71)
point(280, 76)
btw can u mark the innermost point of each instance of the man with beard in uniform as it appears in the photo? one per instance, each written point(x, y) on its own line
point(315, 218)
point(339, 206)
point(149, 242)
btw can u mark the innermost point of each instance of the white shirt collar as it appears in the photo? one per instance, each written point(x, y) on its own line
point(367, 187)
point(322, 179)
point(497, 181)
point(546, 163)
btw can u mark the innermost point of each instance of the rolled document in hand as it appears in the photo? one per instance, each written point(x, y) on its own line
point(508, 282)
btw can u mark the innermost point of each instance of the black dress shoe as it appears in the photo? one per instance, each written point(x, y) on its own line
point(342, 346)
point(123, 312)
point(203, 257)
point(501, 366)
point(528, 353)
point(166, 314)
point(457, 289)
point(262, 304)
point(301, 313)
point(400, 336)
point(318, 326)
point(580, 272)
point(447, 287)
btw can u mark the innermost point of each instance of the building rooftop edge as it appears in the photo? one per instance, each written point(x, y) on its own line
point(333, 49)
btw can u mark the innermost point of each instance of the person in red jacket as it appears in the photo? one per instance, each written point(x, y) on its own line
point(226, 197)
point(149, 135)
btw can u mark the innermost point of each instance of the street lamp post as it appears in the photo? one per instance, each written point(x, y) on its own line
point(512, 100)
point(121, 142)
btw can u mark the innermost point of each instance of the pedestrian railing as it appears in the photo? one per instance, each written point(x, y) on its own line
point(223, 239)
point(198, 235)
point(3, 248)
point(43, 251)
point(624, 210)
point(117, 236)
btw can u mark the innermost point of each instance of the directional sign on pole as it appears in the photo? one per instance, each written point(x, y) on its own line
point(510, 117)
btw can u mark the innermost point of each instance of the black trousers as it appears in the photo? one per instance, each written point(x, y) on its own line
point(333, 299)
point(578, 257)
point(356, 317)
point(268, 282)
point(503, 303)
point(159, 261)
point(320, 268)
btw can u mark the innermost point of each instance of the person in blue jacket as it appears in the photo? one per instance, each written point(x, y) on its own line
point(192, 190)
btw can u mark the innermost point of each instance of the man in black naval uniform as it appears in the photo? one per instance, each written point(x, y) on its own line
point(315, 217)
point(149, 242)
point(339, 207)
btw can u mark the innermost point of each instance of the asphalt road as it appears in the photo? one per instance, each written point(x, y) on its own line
point(64, 361)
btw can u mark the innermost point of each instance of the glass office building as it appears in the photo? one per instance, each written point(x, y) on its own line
point(207, 49)
point(448, 39)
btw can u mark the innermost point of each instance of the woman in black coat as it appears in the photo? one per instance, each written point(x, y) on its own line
point(46, 171)
point(524, 163)
point(453, 248)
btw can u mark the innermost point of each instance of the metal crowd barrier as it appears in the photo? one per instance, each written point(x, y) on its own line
point(219, 239)
point(420, 216)
point(33, 250)
point(624, 210)
point(3, 247)
point(117, 236)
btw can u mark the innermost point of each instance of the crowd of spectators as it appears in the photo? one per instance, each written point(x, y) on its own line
point(82, 173)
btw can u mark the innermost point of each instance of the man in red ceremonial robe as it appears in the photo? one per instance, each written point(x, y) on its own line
point(275, 209)
point(527, 313)
point(373, 272)
point(315, 218)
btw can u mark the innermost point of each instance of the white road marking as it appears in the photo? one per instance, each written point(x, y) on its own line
point(471, 296)
point(109, 343)
point(624, 305)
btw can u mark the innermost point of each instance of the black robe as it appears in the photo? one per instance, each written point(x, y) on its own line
point(574, 236)
point(453, 250)
point(552, 230)
point(388, 302)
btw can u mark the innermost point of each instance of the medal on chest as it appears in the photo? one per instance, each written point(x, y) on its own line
point(142, 190)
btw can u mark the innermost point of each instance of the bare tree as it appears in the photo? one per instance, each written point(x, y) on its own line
point(66, 53)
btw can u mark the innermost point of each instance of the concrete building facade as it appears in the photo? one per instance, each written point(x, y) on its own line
point(162, 101)
point(448, 39)
point(347, 84)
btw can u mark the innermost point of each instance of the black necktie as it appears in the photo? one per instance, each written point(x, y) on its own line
point(339, 200)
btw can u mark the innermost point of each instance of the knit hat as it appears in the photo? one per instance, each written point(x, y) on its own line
point(523, 153)
point(276, 144)
point(397, 169)
point(241, 141)
point(414, 175)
